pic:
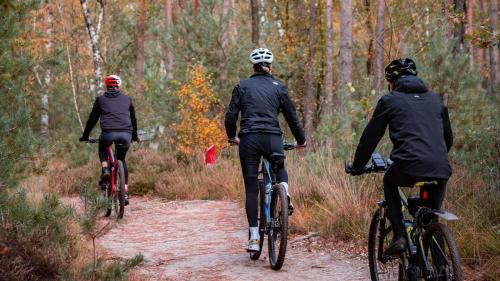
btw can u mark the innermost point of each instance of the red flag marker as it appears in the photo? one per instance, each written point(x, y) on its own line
point(210, 155)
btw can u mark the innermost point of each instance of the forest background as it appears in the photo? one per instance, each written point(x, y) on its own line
point(179, 61)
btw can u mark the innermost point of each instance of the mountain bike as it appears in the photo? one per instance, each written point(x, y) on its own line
point(114, 187)
point(431, 252)
point(273, 210)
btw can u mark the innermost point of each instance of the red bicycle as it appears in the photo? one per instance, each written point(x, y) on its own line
point(114, 187)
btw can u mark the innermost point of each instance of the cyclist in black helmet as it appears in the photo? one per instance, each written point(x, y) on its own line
point(419, 128)
point(260, 99)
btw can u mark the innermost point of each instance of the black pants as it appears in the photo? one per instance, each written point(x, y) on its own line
point(394, 178)
point(252, 148)
point(122, 143)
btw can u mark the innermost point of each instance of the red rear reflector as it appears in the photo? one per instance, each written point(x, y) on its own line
point(424, 195)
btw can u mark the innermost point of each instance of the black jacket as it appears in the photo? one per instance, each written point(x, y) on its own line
point(116, 112)
point(419, 128)
point(260, 99)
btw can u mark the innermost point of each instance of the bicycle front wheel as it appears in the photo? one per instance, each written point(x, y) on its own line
point(382, 267)
point(119, 194)
point(262, 223)
point(278, 230)
point(442, 253)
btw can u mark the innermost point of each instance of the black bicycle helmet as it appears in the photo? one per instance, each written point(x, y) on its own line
point(400, 67)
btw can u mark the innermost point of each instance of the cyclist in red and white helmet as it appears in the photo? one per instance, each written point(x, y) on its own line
point(118, 125)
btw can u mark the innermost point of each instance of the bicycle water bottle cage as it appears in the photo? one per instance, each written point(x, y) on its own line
point(277, 159)
point(378, 162)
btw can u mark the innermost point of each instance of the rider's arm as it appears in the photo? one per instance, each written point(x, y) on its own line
point(134, 122)
point(93, 118)
point(291, 118)
point(448, 134)
point(372, 134)
point(232, 114)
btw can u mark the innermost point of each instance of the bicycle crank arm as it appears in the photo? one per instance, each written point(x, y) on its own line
point(445, 215)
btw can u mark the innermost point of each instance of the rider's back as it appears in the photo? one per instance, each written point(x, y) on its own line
point(260, 103)
point(418, 127)
point(115, 111)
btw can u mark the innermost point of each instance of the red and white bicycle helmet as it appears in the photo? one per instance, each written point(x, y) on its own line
point(112, 81)
point(261, 55)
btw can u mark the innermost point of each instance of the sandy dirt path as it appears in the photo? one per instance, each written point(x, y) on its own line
point(204, 240)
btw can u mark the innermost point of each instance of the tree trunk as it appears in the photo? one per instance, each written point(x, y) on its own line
point(94, 40)
point(378, 66)
point(169, 55)
point(141, 37)
point(470, 47)
point(224, 41)
point(493, 50)
point(196, 6)
point(369, 28)
point(44, 112)
point(328, 104)
point(254, 6)
point(70, 67)
point(345, 53)
point(459, 29)
point(233, 27)
point(309, 100)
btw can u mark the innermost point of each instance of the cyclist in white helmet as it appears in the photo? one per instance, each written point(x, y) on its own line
point(260, 99)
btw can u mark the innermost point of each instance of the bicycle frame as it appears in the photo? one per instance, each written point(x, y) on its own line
point(269, 180)
point(113, 163)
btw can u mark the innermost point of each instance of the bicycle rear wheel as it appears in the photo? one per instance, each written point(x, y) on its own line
point(119, 194)
point(262, 223)
point(278, 230)
point(382, 267)
point(442, 253)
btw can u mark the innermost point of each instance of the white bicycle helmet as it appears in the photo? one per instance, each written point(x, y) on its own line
point(260, 55)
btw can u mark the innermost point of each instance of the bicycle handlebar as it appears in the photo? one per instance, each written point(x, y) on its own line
point(377, 165)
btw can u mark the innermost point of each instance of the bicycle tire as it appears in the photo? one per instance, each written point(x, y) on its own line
point(279, 214)
point(109, 200)
point(376, 245)
point(262, 223)
point(120, 189)
point(434, 231)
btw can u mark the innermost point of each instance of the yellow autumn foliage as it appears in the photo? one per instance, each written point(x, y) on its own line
point(199, 127)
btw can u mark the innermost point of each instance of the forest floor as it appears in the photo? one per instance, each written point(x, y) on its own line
point(204, 240)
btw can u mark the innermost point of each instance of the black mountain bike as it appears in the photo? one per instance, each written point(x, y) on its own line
point(273, 210)
point(431, 250)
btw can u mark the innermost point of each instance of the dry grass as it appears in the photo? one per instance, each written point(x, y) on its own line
point(326, 199)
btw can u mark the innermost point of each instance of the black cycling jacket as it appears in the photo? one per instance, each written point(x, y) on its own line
point(419, 128)
point(260, 99)
point(117, 114)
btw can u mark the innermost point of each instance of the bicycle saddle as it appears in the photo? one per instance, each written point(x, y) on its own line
point(277, 158)
point(426, 183)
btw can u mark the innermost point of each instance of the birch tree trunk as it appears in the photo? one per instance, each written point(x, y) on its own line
point(379, 47)
point(141, 37)
point(309, 100)
point(44, 112)
point(94, 40)
point(328, 91)
point(493, 50)
point(254, 6)
point(345, 53)
point(169, 55)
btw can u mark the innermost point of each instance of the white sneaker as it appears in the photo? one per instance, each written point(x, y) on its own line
point(253, 245)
